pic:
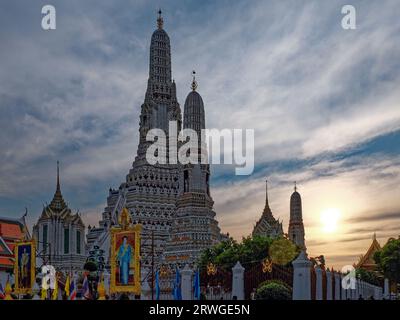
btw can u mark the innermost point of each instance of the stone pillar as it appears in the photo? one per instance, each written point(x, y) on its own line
point(36, 291)
point(238, 281)
point(302, 277)
point(342, 287)
point(378, 293)
point(386, 289)
point(353, 292)
point(318, 281)
point(187, 286)
point(328, 285)
point(106, 280)
point(337, 285)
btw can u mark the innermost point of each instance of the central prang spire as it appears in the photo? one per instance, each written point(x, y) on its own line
point(160, 83)
point(160, 104)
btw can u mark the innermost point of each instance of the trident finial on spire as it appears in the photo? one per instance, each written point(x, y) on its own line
point(194, 82)
point(160, 21)
point(266, 191)
point(295, 186)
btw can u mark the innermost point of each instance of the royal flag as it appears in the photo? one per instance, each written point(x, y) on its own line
point(177, 285)
point(43, 294)
point(2, 293)
point(85, 289)
point(157, 285)
point(54, 295)
point(72, 290)
point(196, 285)
point(67, 285)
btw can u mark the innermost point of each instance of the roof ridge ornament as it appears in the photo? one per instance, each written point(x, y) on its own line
point(160, 21)
point(194, 82)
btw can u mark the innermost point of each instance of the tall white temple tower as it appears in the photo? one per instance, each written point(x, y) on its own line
point(194, 227)
point(296, 226)
point(150, 192)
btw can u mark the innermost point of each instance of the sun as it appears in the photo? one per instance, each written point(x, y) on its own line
point(329, 219)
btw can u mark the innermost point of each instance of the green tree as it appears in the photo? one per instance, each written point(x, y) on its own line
point(388, 260)
point(368, 276)
point(223, 253)
point(227, 253)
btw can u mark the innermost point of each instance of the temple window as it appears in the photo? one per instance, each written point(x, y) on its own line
point(66, 240)
point(78, 242)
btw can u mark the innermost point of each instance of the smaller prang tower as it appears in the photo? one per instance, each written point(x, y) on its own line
point(296, 226)
point(194, 227)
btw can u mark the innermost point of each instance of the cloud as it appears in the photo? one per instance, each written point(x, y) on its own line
point(377, 217)
point(313, 92)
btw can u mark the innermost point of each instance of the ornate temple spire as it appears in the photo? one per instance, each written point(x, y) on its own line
point(160, 21)
point(58, 203)
point(295, 186)
point(267, 225)
point(160, 78)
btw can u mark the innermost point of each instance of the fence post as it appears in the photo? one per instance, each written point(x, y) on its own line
point(378, 293)
point(386, 290)
point(106, 281)
point(342, 289)
point(337, 285)
point(328, 284)
point(36, 290)
point(238, 281)
point(302, 277)
point(318, 286)
point(363, 289)
point(186, 285)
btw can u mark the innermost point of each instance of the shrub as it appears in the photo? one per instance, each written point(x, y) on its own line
point(273, 290)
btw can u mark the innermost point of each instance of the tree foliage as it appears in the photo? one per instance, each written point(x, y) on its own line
point(90, 266)
point(368, 276)
point(388, 259)
point(250, 250)
point(282, 251)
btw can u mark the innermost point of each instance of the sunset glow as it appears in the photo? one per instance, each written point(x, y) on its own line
point(329, 220)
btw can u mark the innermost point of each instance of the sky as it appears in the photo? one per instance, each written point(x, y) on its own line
point(323, 101)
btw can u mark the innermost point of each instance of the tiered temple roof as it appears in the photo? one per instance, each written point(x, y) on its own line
point(11, 231)
point(267, 225)
point(367, 261)
point(58, 208)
